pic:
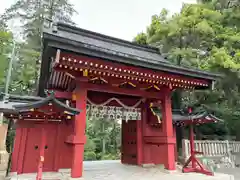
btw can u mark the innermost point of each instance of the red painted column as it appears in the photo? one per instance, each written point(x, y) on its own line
point(79, 133)
point(168, 130)
point(42, 149)
point(139, 142)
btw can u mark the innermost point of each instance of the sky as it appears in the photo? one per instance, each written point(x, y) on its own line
point(118, 18)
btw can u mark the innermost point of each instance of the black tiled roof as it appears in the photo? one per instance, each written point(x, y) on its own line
point(46, 101)
point(72, 39)
point(16, 104)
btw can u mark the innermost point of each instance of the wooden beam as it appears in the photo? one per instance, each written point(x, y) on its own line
point(63, 95)
point(117, 90)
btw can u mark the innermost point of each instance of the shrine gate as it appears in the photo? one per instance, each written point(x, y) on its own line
point(107, 78)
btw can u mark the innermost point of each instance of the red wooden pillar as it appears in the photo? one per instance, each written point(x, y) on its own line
point(139, 142)
point(42, 149)
point(79, 138)
point(168, 132)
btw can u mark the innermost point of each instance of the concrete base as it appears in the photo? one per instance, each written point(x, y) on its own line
point(75, 178)
point(105, 170)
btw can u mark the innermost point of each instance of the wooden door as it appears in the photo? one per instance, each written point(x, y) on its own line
point(129, 142)
point(32, 145)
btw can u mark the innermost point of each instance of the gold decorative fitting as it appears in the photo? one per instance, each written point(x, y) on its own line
point(74, 97)
point(85, 73)
point(69, 117)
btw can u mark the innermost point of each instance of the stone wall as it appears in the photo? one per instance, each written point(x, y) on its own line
point(4, 156)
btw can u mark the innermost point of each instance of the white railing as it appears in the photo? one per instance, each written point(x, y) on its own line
point(211, 148)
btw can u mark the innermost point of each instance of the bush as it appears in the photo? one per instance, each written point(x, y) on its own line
point(89, 156)
point(110, 157)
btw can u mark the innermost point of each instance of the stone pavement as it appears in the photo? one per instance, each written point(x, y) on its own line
point(233, 171)
point(114, 170)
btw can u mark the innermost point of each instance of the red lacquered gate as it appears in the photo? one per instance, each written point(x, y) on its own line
point(129, 142)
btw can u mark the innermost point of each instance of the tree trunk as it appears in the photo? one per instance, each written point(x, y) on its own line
point(103, 140)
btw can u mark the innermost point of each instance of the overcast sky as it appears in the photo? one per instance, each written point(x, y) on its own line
point(118, 18)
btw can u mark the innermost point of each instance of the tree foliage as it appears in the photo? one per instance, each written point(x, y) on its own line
point(206, 36)
point(32, 15)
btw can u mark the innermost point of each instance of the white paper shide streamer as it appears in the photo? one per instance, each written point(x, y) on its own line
point(122, 112)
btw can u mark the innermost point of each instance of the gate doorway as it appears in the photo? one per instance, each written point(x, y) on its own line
point(120, 117)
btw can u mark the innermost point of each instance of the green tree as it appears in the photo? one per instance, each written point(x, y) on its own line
point(206, 36)
point(5, 50)
point(32, 15)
